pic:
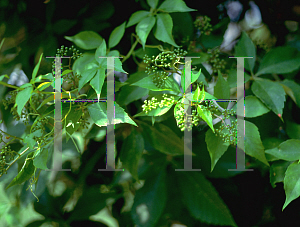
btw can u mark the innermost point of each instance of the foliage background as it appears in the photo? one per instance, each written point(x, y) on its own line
point(34, 27)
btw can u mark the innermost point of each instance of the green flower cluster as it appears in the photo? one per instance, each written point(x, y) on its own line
point(36, 99)
point(215, 61)
point(40, 124)
point(153, 104)
point(160, 66)
point(228, 129)
point(202, 23)
point(11, 99)
point(83, 121)
point(6, 155)
point(64, 51)
point(191, 120)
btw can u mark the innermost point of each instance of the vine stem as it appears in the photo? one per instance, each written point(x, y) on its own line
point(8, 167)
point(15, 137)
point(130, 51)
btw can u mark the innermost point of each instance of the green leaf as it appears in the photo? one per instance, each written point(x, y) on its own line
point(288, 150)
point(222, 90)
point(246, 48)
point(86, 40)
point(152, 3)
point(43, 86)
point(171, 85)
point(194, 77)
point(64, 25)
point(201, 78)
point(280, 60)
point(137, 76)
point(150, 201)
point(295, 90)
point(2, 77)
point(209, 97)
point(36, 69)
point(199, 95)
point(101, 52)
point(252, 142)
point(162, 138)
point(37, 133)
point(232, 77)
point(80, 63)
point(116, 35)
point(48, 76)
point(196, 95)
point(67, 71)
point(144, 27)
point(25, 173)
point(270, 93)
point(204, 57)
point(113, 53)
point(128, 94)
point(172, 6)
point(215, 146)
point(98, 81)
point(147, 82)
point(26, 85)
point(254, 107)
point(51, 98)
point(205, 114)
point(40, 159)
point(131, 152)
point(118, 66)
point(291, 184)
point(140, 53)
point(203, 200)
point(2, 41)
point(22, 98)
point(269, 154)
point(137, 17)
point(164, 26)
point(86, 77)
point(98, 113)
point(118, 85)
point(71, 120)
point(91, 202)
point(277, 171)
point(293, 130)
point(271, 142)
point(29, 141)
